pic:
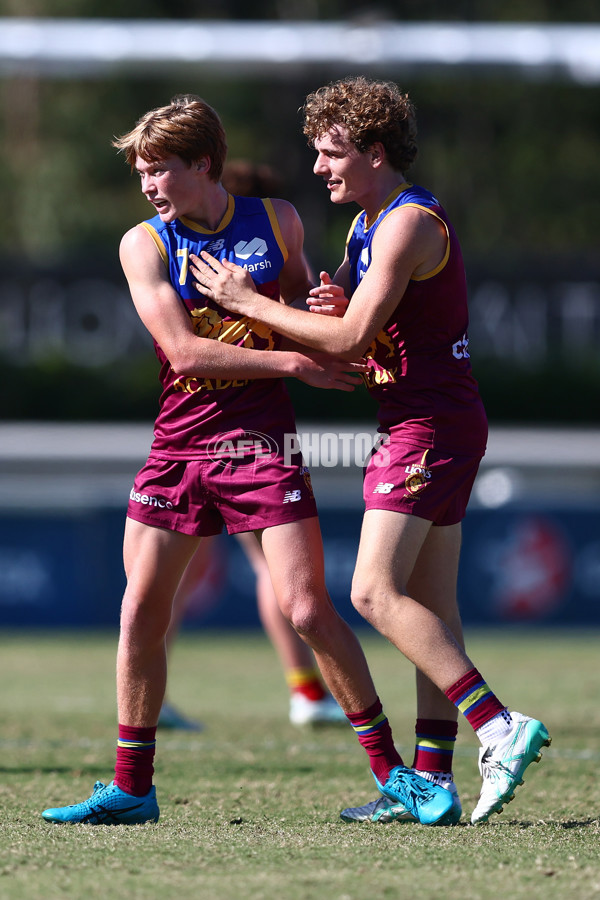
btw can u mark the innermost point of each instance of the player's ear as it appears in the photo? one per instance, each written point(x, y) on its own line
point(203, 164)
point(376, 153)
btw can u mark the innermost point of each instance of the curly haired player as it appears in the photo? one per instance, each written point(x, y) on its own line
point(403, 272)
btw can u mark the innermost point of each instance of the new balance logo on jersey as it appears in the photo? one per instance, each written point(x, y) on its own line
point(292, 496)
point(215, 246)
point(255, 247)
point(384, 487)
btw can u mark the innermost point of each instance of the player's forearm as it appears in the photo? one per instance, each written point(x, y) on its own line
point(326, 334)
point(208, 358)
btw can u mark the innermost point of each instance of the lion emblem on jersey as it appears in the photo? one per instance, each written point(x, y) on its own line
point(382, 339)
point(378, 374)
point(244, 332)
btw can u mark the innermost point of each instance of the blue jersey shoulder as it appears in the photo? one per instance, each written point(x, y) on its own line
point(416, 194)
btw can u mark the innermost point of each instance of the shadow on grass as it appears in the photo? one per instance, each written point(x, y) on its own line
point(49, 770)
point(569, 824)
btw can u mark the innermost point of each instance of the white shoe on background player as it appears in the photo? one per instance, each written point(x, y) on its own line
point(316, 712)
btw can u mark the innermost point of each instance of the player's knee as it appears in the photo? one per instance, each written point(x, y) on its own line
point(366, 597)
point(304, 617)
point(142, 620)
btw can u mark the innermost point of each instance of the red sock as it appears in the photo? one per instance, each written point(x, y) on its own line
point(434, 746)
point(375, 735)
point(307, 682)
point(135, 759)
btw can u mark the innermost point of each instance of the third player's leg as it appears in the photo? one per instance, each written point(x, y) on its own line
point(293, 653)
point(294, 554)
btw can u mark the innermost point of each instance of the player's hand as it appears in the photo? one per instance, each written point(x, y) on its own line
point(327, 299)
point(224, 282)
point(329, 372)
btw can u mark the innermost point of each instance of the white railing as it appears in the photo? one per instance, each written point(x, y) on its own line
point(74, 47)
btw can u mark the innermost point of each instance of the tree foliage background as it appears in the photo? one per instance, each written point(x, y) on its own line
point(513, 159)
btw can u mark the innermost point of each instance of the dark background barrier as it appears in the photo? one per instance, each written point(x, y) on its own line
point(526, 563)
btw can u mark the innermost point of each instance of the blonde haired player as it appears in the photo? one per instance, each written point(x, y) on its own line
point(215, 393)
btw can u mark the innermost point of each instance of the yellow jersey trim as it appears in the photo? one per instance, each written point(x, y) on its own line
point(161, 247)
point(194, 226)
point(389, 199)
point(446, 255)
point(268, 204)
point(353, 226)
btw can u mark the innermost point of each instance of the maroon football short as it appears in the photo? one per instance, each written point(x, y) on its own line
point(198, 497)
point(424, 483)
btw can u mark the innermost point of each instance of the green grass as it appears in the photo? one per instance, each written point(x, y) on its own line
point(249, 807)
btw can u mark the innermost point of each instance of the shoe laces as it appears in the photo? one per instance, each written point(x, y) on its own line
point(99, 785)
point(413, 786)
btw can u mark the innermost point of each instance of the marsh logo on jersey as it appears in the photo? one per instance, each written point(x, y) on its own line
point(256, 247)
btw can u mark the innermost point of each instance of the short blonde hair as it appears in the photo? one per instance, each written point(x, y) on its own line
point(188, 127)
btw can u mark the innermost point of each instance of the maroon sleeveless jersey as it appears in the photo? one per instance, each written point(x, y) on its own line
point(195, 410)
point(420, 371)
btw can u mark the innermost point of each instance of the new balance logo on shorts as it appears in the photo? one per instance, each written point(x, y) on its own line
point(292, 496)
point(384, 487)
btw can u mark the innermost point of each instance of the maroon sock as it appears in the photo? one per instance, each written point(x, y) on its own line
point(375, 735)
point(473, 698)
point(135, 758)
point(434, 747)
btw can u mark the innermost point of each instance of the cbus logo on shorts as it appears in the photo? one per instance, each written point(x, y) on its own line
point(147, 500)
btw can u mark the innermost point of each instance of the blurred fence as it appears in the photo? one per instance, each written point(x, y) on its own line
point(531, 549)
point(525, 315)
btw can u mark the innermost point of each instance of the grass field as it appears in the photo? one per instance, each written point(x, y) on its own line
point(249, 807)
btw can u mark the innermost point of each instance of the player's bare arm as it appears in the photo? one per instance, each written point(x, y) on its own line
point(295, 281)
point(162, 312)
point(409, 242)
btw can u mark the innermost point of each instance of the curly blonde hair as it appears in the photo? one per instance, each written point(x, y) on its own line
point(370, 111)
point(188, 127)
